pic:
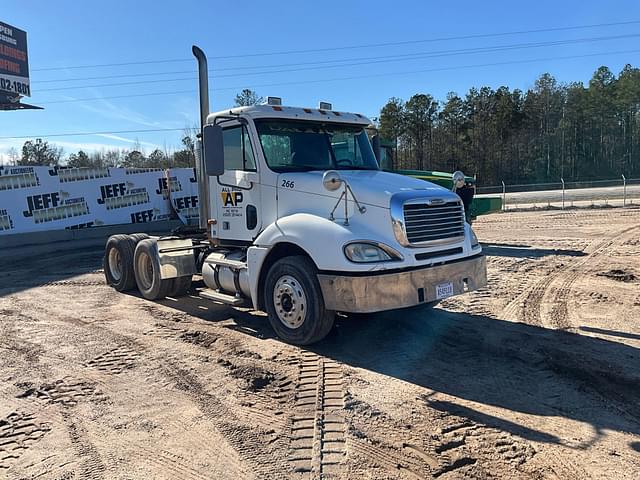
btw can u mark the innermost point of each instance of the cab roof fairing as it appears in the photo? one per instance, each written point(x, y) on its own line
point(293, 113)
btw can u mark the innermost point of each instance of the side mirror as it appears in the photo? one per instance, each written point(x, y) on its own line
point(213, 150)
point(331, 180)
point(375, 143)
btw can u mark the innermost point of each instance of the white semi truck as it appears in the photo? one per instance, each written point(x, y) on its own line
point(298, 220)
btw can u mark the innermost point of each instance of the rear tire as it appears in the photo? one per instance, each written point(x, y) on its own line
point(294, 301)
point(146, 266)
point(179, 286)
point(118, 263)
point(138, 236)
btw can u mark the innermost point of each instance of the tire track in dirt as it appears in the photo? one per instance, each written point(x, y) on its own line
point(317, 442)
point(272, 387)
point(66, 392)
point(255, 446)
point(559, 314)
point(116, 360)
point(393, 460)
point(126, 354)
point(154, 457)
point(170, 463)
point(63, 395)
point(445, 444)
point(18, 431)
point(91, 465)
point(527, 306)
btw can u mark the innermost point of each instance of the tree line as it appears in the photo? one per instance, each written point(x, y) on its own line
point(552, 130)
point(41, 152)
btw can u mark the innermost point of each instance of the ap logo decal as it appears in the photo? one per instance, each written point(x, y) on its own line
point(231, 199)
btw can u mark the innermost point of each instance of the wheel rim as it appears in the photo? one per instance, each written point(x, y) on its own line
point(290, 301)
point(145, 271)
point(115, 264)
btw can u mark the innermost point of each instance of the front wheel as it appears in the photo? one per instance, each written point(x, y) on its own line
point(294, 301)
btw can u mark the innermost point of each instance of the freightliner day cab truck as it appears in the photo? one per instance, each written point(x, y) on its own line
point(291, 227)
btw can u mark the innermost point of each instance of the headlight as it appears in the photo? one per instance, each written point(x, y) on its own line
point(474, 240)
point(369, 252)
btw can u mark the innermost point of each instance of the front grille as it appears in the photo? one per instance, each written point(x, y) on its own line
point(429, 223)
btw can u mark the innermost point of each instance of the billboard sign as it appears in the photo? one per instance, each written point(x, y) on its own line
point(14, 63)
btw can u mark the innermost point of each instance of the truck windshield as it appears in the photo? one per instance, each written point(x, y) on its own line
point(291, 146)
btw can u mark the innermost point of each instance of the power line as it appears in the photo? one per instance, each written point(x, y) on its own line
point(304, 82)
point(394, 58)
point(80, 134)
point(313, 81)
point(91, 99)
point(339, 63)
point(350, 47)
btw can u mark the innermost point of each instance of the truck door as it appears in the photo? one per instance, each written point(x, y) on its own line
point(238, 190)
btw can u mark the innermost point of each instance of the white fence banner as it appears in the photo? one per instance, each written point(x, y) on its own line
point(43, 198)
point(182, 187)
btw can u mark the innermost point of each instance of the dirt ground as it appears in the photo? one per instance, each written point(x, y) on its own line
point(535, 377)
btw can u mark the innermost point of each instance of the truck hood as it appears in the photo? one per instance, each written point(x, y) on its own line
point(371, 187)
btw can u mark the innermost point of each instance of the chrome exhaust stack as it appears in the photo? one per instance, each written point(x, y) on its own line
point(203, 179)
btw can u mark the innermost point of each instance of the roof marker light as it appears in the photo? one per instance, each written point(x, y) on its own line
point(307, 110)
point(325, 106)
point(274, 101)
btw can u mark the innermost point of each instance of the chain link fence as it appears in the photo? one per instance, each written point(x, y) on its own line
point(624, 192)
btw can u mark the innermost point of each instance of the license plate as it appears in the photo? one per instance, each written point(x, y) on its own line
point(444, 290)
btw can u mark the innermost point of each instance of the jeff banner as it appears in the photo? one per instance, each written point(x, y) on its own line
point(55, 198)
point(14, 62)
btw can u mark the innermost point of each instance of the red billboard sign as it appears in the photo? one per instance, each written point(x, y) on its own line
point(14, 62)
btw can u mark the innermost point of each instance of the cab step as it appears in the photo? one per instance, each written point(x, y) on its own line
point(225, 298)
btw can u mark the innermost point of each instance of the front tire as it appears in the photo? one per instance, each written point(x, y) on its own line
point(118, 262)
point(294, 301)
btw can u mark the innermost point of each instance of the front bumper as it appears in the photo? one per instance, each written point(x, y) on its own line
point(379, 292)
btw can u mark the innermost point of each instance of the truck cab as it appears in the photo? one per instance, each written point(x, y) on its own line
point(300, 221)
point(305, 182)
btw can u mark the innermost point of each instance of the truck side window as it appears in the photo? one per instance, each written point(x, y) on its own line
point(238, 153)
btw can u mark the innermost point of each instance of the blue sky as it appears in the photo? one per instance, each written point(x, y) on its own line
point(66, 34)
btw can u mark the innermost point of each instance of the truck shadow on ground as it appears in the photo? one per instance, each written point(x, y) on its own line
point(508, 365)
point(526, 251)
point(23, 273)
point(502, 364)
